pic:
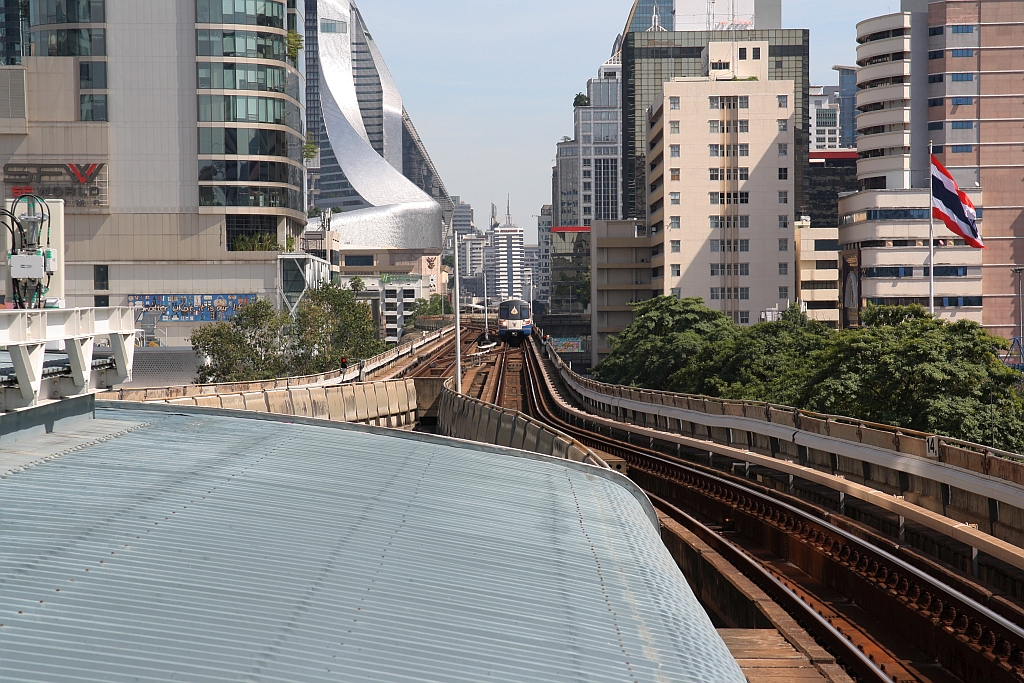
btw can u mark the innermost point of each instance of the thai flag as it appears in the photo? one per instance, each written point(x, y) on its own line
point(951, 205)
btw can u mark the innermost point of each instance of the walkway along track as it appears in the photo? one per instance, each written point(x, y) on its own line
point(937, 613)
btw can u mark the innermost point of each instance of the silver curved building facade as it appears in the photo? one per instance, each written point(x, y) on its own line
point(367, 142)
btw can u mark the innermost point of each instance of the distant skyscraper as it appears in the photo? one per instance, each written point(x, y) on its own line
point(462, 220)
point(847, 105)
point(642, 15)
point(824, 117)
point(505, 272)
point(727, 15)
point(542, 278)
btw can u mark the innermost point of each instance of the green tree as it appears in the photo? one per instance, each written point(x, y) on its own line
point(253, 345)
point(295, 44)
point(309, 148)
point(666, 334)
point(581, 100)
point(356, 284)
point(436, 305)
point(331, 325)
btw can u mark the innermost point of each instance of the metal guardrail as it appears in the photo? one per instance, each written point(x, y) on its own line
point(353, 374)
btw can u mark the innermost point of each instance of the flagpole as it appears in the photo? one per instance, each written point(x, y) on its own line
point(931, 235)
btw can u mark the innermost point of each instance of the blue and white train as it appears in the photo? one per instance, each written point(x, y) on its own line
point(515, 322)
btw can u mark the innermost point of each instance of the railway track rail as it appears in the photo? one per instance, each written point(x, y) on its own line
point(441, 363)
point(937, 616)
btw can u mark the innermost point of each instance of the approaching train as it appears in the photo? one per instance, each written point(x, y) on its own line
point(514, 321)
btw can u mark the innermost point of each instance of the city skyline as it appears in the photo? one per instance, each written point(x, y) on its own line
point(470, 97)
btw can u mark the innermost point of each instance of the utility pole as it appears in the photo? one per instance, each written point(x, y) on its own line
point(487, 302)
point(458, 321)
point(1020, 312)
point(931, 236)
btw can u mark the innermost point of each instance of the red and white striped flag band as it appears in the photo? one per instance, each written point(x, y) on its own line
point(951, 205)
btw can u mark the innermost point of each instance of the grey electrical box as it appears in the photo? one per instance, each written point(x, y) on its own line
point(27, 266)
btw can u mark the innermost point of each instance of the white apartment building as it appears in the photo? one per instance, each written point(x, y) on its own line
point(505, 279)
point(472, 250)
point(720, 185)
point(824, 114)
point(462, 219)
point(883, 231)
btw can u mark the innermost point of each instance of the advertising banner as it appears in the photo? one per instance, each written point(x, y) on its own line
point(190, 308)
point(567, 344)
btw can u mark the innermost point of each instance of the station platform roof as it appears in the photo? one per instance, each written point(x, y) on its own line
point(159, 543)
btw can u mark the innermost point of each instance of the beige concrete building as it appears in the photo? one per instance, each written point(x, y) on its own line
point(949, 72)
point(620, 258)
point(174, 134)
point(817, 264)
point(721, 185)
point(920, 79)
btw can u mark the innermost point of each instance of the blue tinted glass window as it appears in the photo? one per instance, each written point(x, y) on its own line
point(963, 77)
point(962, 125)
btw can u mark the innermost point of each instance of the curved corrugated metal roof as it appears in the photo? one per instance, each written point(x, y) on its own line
point(202, 547)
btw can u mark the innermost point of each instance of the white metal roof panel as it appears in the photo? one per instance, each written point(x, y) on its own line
point(200, 547)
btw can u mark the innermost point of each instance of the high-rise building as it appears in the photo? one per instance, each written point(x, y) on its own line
point(700, 15)
point(542, 278)
point(14, 27)
point(824, 117)
point(847, 97)
point(621, 275)
point(472, 249)
point(587, 181)
point(372, 164)
point(907, 68)
point(817, 271)
point(173, 131)
point(829, 175)
point(725, 142)
point(647, 13)
point(505, 276)
point(531, 268)
point(651, 58)
point(462, 219)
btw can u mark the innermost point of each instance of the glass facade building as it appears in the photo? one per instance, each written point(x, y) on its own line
point(649, 59)
point(847, 105)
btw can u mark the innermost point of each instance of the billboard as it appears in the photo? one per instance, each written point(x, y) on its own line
point(567, 344)
point(190, 308)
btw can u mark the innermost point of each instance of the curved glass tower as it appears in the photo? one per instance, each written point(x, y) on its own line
point(366, 139)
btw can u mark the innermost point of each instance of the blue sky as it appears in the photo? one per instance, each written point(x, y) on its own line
point(490, 84)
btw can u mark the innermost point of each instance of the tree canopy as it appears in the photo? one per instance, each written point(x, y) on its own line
point(261, 343)
point(905, 367)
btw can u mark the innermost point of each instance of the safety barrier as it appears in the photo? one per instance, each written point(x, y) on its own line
point(381, 404)
point(463, 417)
point(968, 482)
point(379, 362)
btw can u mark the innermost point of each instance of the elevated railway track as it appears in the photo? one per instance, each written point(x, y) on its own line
point(886, 611)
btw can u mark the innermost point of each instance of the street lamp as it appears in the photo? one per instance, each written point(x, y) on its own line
point(1020, 310)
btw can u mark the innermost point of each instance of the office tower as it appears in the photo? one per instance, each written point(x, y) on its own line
point(817, 270)
point(724, 142)
point(824, 116)
point(726, 15)
point(472, 249)
point(462, 220)
point(847, 97)
point(14, 25)
point(949, 83)
point(620, 257)
point(505, 277)
point(531, 271)
point(649, 59)
point(587, 179)
point(174, 133)
point(829, 175)
point(366, 140)
point(642, 15)
point(542, 280)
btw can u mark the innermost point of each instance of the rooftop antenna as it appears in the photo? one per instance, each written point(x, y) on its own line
point(655, 20)
point(711, 14)
point(508, 211)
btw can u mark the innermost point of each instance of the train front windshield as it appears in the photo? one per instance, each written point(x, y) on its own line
point(514, 311)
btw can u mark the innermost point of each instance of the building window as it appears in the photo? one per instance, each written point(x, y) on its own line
point(757, 53)
point(744, 269)
point(714, 103)
point(717, 269)
point(92, 75)
point(94, 107)
point(935, 78)
point(353, 261)
point(744, 245)
point(783, 149)
point(936, 102)
point(673, 198)
point(715, 150)
point(101, 278)
point(783, 269)
point(783, 174)
point(101, 301)
point(935, 125)
point(783, 101)
point(676, 270)
point(962, 125)
point(674, 246)
point(333, 27)
point(673, 151)
point(744, 293)
point(963, 29)
point(716, 198)
point(674, 174)
point(744, 102)
point(673, 127)
point(958, 101)
point(936, 54)
point(716, 174)
point(745, 315)
point(783, 197)
point(784, 222)
point(783, 125)
point(938, 149)
point(935, 31)
point(783, 244)
point(673, 103)
point(717, 293)
point(963, 53)
point(962, 78)
point(961, 149)
point(743, 54)
point(717, 246)
point(744, 125)
point(674, 222)
point(715, 126)
point(783, 293)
